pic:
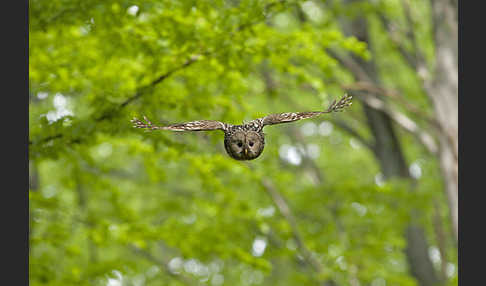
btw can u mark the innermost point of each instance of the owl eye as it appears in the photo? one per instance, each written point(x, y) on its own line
point(240, 144)
point(251, 144)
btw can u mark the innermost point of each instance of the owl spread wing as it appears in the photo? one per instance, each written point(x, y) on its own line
point(199, 125)
point(294, 116)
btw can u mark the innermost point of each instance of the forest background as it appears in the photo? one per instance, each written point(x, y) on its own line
point(363, 197)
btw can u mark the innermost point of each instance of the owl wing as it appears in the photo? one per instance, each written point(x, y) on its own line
point(294, 116)
point(199, 125)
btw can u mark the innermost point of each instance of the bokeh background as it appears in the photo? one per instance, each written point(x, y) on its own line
point(363, 197)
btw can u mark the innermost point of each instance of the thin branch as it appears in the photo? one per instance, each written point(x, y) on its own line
point(187, 63)
point(164, 264)
point(307, 162)
point(350, 64)
point(140, 92)
point(284, 209)
point(415, 59)
point(351, 131)
point(82, 204)
point(372, 88)
point(341, 124)
point(265, 13)
point(410, 32)
point(403, 121)
point(143, 90)
point(397, 42)
point(47, 139)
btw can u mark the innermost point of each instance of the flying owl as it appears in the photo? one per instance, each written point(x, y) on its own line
point(246, 141)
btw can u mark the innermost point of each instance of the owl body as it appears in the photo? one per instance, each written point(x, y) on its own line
point(246, 141)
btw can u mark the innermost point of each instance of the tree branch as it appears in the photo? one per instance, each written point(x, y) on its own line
point(266, 12)
point(350, 64)
point(164, 264)
point(403, 121)
point(372, 88)
point(342, 125)
point(287, 214)
point(351, 131)
point(142, 90)
point(390, 28)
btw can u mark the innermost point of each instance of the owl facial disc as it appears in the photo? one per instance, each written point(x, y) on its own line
point(244, 144)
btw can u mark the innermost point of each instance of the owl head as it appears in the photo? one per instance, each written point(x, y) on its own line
point(244, 145)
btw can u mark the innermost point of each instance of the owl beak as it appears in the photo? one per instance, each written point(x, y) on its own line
point(246, 152)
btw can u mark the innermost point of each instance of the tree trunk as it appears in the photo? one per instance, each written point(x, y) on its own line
point(392, 162)
point(442, 88)
point(389, 154)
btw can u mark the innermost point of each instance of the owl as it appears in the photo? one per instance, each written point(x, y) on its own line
point(246, 141)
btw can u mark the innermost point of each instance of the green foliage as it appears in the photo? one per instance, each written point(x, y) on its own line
point(172, 208)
